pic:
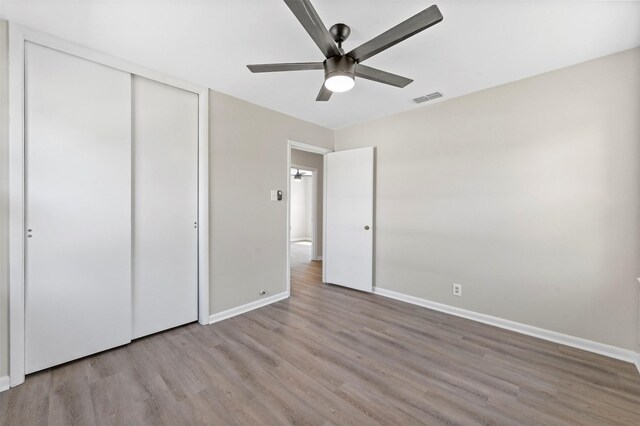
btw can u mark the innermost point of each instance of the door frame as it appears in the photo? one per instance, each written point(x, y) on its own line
point(314, 202)
point(18, 36)
point(314, 150)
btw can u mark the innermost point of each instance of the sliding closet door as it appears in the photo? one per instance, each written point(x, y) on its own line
point(78, 207)
point(165, 242)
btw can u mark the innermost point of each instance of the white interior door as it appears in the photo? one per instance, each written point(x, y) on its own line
point(348, 244)
point(165, 243)
point(78, 207)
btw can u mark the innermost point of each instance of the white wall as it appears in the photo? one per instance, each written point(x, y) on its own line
point(4, 199)
point(248, 232)
point(526, 193)
point(301, 209)
point(314, 161)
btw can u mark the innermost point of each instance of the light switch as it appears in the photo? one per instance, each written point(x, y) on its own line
point(276, 195)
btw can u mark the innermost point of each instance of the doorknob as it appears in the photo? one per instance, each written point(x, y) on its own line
point(366, 227)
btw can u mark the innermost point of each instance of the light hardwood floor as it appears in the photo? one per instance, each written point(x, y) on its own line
point(330, 355)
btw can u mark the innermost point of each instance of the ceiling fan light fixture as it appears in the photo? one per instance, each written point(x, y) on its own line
point(339, 73)
point(339, 83)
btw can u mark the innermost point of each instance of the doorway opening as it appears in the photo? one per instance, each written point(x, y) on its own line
point(302, 230)
point(305, 182)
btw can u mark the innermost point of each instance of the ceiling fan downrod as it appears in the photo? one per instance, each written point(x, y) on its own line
point(340, 33)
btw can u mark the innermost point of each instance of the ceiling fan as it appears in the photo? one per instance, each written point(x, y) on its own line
point(299, 175)
point(340, 68)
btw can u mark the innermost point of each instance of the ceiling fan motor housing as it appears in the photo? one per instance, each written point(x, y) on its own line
point(339, 65)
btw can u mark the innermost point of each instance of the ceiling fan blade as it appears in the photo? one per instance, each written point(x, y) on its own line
point(324, 94)
point(380, 76)
point(300, 66)
point(308, 17)
point(412, 26)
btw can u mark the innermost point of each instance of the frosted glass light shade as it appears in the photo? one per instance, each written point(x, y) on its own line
point(339, 83)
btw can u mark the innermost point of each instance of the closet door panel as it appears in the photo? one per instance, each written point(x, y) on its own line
point(165, 140)
point(78, 207)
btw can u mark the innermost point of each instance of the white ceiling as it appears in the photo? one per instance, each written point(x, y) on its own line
point(479, 44)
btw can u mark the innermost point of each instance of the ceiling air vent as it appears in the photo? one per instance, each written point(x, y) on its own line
point(429, 97)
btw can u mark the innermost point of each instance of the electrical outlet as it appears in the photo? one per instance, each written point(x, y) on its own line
point(457, 289)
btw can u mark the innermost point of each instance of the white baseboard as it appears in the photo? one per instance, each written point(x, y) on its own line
point(248, 307)
point(317, 258)
point(552, 336)
point(295, 240)
point(5, 383)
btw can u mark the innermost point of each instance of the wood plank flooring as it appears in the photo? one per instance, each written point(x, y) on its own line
point(329, 355)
